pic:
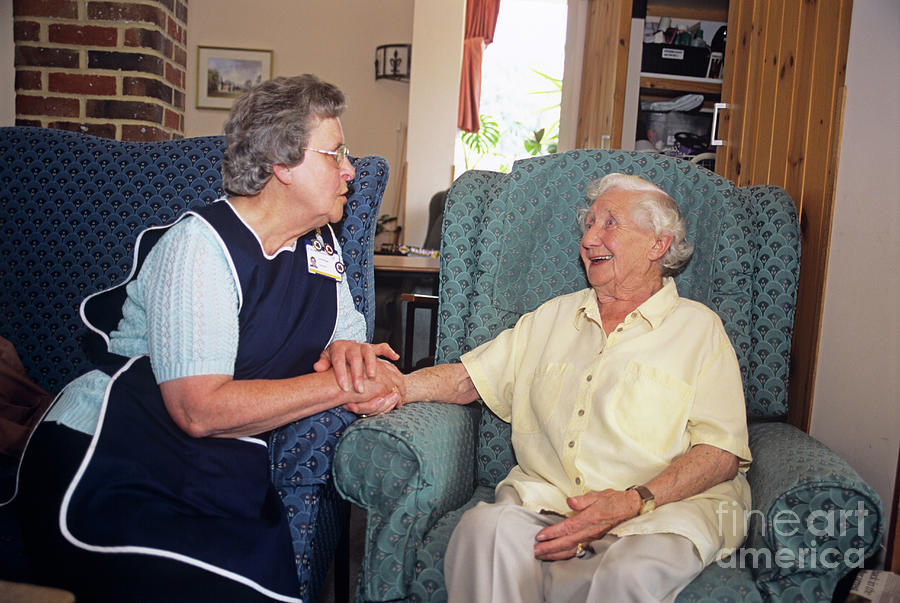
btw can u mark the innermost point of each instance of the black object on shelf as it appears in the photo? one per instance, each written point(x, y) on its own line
point(673, 59)
point(718, 42)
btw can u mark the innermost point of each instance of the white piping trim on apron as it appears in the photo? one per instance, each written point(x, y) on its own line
point(256, 236)
point(337, 285)
point(105, 337)
point(131, 273)
point(64, 528)
point(15, 491)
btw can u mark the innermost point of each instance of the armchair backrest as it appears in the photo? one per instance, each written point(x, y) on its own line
point(510, 242)
point(72, 206)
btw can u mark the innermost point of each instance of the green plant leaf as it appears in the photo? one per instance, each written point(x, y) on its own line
point(556, 81)
point(482, 142)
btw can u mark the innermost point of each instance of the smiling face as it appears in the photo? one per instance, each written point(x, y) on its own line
point(619, 253)
point(318, 185)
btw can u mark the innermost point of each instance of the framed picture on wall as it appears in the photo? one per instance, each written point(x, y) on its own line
point(223, 74)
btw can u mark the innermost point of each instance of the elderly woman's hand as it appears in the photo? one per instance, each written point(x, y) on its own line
point(353, 362)
point(385, 392)
point(596, 514)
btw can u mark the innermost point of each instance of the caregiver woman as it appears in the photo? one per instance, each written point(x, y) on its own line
point(237, 322)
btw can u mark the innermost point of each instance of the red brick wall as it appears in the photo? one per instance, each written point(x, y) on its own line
point(114, 69)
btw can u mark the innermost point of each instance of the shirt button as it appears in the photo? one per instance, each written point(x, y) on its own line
point(581, 413)
point(578, 481)
point(589, 377)
point(619, 329)
point(572, 444)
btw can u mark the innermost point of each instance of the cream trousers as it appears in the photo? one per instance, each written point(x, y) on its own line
point(490, 559)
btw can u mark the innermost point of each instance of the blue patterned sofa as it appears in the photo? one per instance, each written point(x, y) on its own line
point(510, 242)
point(72, 205)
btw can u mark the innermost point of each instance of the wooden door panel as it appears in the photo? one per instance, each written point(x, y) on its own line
point(796, 164)
point(735, 84)
point(785, 92)
point(604, 73)
point(783, 84)
point(769, 39)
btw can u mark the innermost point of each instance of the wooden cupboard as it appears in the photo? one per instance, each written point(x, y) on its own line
point(783, 84)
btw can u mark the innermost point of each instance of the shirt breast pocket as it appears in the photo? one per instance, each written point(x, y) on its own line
point(650, 406)
point(531, 413)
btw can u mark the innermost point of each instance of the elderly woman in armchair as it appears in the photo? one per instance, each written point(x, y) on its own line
point(628, 425)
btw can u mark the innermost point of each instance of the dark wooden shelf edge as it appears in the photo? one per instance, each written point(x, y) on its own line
point(662, 84)
point(699, 10)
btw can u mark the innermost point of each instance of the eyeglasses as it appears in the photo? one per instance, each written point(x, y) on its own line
point(342, 153)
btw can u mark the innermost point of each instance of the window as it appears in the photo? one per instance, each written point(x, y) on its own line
point(521, 87)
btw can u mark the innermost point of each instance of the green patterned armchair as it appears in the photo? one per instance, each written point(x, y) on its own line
point(509, 243)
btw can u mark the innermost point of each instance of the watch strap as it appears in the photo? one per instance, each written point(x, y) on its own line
point(644, 493)
point(648, 501)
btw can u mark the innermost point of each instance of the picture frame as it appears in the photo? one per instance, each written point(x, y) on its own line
point(223, 74)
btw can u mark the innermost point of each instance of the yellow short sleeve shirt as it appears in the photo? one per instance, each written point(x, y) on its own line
point(590, 412)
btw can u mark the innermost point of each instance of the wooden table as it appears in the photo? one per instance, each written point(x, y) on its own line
point(414, 266)
point(407, 263)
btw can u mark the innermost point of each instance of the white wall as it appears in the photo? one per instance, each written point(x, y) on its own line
point(7, 70)
point(338, 44)
point(433, 104)
point(856, 409)
point(335, 40)
point(576, 25)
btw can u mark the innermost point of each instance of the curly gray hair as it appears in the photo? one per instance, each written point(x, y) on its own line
point(654, 209)
point(270, 125)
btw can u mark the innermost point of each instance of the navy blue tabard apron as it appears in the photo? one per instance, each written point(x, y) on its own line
point(147, 487)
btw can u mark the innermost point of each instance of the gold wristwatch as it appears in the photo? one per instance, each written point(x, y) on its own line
point(648, 501)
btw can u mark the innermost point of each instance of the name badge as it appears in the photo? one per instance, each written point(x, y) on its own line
point(321, 259)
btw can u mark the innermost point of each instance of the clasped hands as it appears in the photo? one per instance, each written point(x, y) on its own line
point(596, 513)
point(361, 368)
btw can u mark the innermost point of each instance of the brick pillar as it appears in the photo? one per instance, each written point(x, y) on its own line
point(113, 69)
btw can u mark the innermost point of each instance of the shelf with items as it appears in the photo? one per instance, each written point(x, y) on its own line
point(677, 59)
point(689, 50)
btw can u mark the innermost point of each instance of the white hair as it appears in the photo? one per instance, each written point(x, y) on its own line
point(655, 210)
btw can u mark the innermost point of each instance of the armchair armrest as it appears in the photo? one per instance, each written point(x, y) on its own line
point(300, 453)
point(814, 518)
point(300, 459)
point(406, 469)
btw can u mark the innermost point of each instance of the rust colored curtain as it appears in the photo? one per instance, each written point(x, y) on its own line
point(481, 21)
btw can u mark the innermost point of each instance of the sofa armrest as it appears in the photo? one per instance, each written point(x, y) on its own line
point(814, 518)
point(406, 469)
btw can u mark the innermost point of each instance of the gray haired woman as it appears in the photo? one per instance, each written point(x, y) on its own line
point(148, 479)
point(628, 426)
